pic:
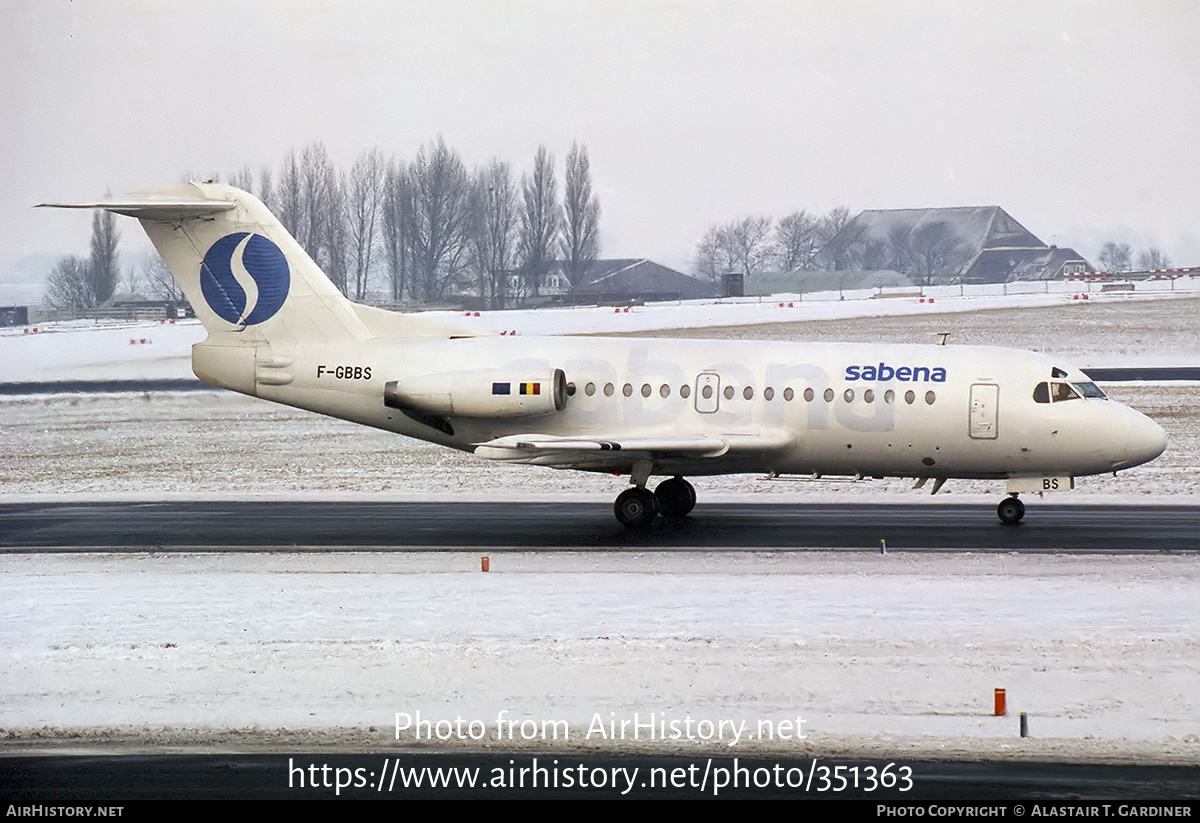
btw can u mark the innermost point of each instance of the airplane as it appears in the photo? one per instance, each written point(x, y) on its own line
point(278, 329)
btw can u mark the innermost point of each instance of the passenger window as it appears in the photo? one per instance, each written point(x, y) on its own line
point(930, 397)
point(869, 396)
point(589, 389)
point(768, 393)
point(627, 390)
point(748, 393)
point(848, 395)
point(788, 394)
point(729, 392)
point(664, 390)
point(909, 397)
point(608, 389)
point(646, 390)
point(685, 391)
point(889, 396)
point(828, 395)
point(808, 394)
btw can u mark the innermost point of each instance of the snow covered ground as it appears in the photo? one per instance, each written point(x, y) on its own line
point(894, 655)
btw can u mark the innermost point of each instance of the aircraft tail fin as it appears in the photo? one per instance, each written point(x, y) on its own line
point(248, 280)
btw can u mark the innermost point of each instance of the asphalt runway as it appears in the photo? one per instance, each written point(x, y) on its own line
point(274, 526)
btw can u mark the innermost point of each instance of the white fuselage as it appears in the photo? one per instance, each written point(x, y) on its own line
point(844, 409)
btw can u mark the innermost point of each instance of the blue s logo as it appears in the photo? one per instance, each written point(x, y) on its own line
point(244, 278)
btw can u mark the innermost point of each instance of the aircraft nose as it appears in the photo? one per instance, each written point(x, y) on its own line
point(1144, 441)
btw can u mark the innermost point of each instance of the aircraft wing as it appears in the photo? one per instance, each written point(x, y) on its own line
point(553, 450)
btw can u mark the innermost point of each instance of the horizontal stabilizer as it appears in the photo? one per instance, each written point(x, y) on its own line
point(152, 206)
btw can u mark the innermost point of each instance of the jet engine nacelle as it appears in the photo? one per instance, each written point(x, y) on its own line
point(480, 393)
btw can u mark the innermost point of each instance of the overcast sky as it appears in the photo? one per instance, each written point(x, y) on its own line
point(1080, 117)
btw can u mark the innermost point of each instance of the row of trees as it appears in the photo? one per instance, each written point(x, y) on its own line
point(756, 244)
point(928, 254)
point(418, 230)
point(1115, 256)
point(430, 227)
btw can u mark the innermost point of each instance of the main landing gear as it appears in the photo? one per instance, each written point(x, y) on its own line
point(638, 506)
point(1011, 510)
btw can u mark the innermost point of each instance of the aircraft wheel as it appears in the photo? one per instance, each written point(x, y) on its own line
point(1011, 510)
point(636, 508)
point(676, 497)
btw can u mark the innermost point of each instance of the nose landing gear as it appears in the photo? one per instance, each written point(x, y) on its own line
point(1011, 510)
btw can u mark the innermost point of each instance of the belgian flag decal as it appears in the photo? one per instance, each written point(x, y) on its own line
point(522, 388)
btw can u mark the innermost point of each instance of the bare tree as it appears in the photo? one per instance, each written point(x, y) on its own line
point(103, 272)
point(364, 203)
point(872, 255)
point(929, 246)
point(581, 217)
point(132, 282)
point(933, 253)
point(242, 179)
point(159, 281)
point(266, 191)
point(315, 180)
point(744, 246)
point(494, 230)
point(68, 285)
point(1115, 257)
point(397, 218)
point(712, 254)
point(334, 225)
point(796, 241)
point(289, 199)
point(832, 223)
point(1153, 259)
point(750, 244)
point(440, 220)
point(539, 219)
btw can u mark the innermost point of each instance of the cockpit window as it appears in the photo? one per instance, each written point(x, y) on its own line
point(1057, 392)
point(1090, 390)
point(1062, 391)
